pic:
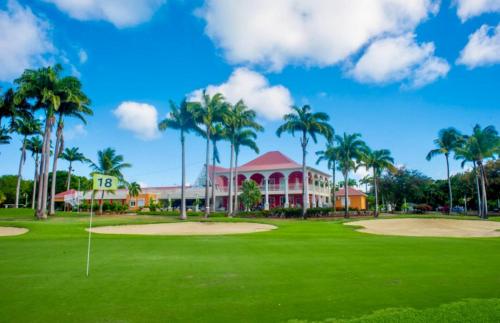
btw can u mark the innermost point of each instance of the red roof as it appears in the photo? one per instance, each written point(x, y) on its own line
point(352, 192)
point(270, 160)
point(63, 194)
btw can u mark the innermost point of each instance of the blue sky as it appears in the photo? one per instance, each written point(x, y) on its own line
point(394, 73)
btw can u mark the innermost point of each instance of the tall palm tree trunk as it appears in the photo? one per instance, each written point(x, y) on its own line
point(236, 206)
point(19, 173)
point(57, 152)
point(207, 180)
point(213, 177)
point(35, 180)
point(450, 196)
point(70, 169)
point(375, 188)
point(183, 184)
point(346, 196)
point(44, 170)
point(478, 191)
point(231, 170)
point(484, 199)
point(305, 180)
point(334, 192)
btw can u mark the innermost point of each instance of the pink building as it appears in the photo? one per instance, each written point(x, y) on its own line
point(280, 180)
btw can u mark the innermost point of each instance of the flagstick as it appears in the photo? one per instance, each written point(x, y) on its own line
point(90, 232)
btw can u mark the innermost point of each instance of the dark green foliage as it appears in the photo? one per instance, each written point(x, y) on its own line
point(8, 185)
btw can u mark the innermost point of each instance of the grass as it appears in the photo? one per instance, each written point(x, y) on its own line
point(305, 270)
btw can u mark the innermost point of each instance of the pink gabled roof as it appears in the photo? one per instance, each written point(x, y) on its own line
point(351, 191)
point(63, 194)
point(270, 160)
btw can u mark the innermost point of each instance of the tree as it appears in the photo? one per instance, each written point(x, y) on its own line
point(4, 136)
point(74, 103)
point(134, 189)
point(218, 134)
point(46, 89)
point(330, 155)
point(34, 145)
point(351, 149)
point(237, 118)
point(308, 125)
point(8, 185)
point(448, 140)
point(207, 113)
point(250, 194)
point(469, 153)
point(378, 161)
point(13, 106)
point(486, 143)
point(243, 138)
point(25, 127)
point(181, 118)
point(109, 163)
point(72, 155)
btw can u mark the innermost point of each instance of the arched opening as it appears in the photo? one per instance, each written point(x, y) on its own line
point(295, 180)
point(276, 181)
point(221, 183)
point(258, 178)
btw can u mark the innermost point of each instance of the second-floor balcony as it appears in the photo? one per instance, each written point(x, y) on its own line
point(280, 188)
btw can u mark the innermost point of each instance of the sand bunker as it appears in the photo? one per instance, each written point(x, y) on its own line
point(11, 231)
point(185, 228)
point(429, 227)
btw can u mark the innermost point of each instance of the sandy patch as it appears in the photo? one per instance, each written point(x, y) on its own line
point(11, 231)
point(429, 227)
point(186, 228)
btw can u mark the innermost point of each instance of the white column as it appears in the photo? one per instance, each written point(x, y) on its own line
point(306, 202)
point(287, 204)
point(266, 203)
point(313, 191)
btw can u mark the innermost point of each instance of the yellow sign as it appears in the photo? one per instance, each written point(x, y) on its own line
point(105, 182)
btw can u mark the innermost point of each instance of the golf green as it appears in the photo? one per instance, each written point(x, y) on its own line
point(304, 270)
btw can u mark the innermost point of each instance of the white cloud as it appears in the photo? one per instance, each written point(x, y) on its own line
point(121, 13)
point(399, 58)
point(82, 56)
point(483, 48)
point(270, 102)
point(320, 33)
point(140, 118)
point(470, 8)
point(24, 41)
point(77, 131)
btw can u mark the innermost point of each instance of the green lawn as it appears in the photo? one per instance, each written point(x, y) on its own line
point(305, 270)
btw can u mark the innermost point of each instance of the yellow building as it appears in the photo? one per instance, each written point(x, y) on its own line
point(356, 199)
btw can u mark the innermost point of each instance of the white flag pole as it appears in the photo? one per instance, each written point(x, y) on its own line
point(90, 232)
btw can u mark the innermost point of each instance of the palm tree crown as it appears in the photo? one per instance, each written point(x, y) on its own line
point(134, 189)
point(110, 163)
point(304, 121)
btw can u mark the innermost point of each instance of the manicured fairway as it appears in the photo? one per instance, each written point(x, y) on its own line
point(305, 270)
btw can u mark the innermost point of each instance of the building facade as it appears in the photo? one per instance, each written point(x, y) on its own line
point(279, 178)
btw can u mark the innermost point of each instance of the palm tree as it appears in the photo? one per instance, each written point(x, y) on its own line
point(351, 149)
point(4, 136)
point(366, 181)
point(237, 118)
point(330, 155)
point(134, 189)
point(12, 106)
point(448, 140)
point(45, 87)
point(109, 163)
point(243, 138)
point(308, 125)
point(378, 161)
point(72, 155)
point(24, 126)
point(468, 153)
point(486, 145)
point(207, 113)
point(35, 145)
point(74, 103)
point(218, 134)
point(181, 118)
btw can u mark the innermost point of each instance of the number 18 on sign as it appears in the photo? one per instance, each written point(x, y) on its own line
point(105, 183)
